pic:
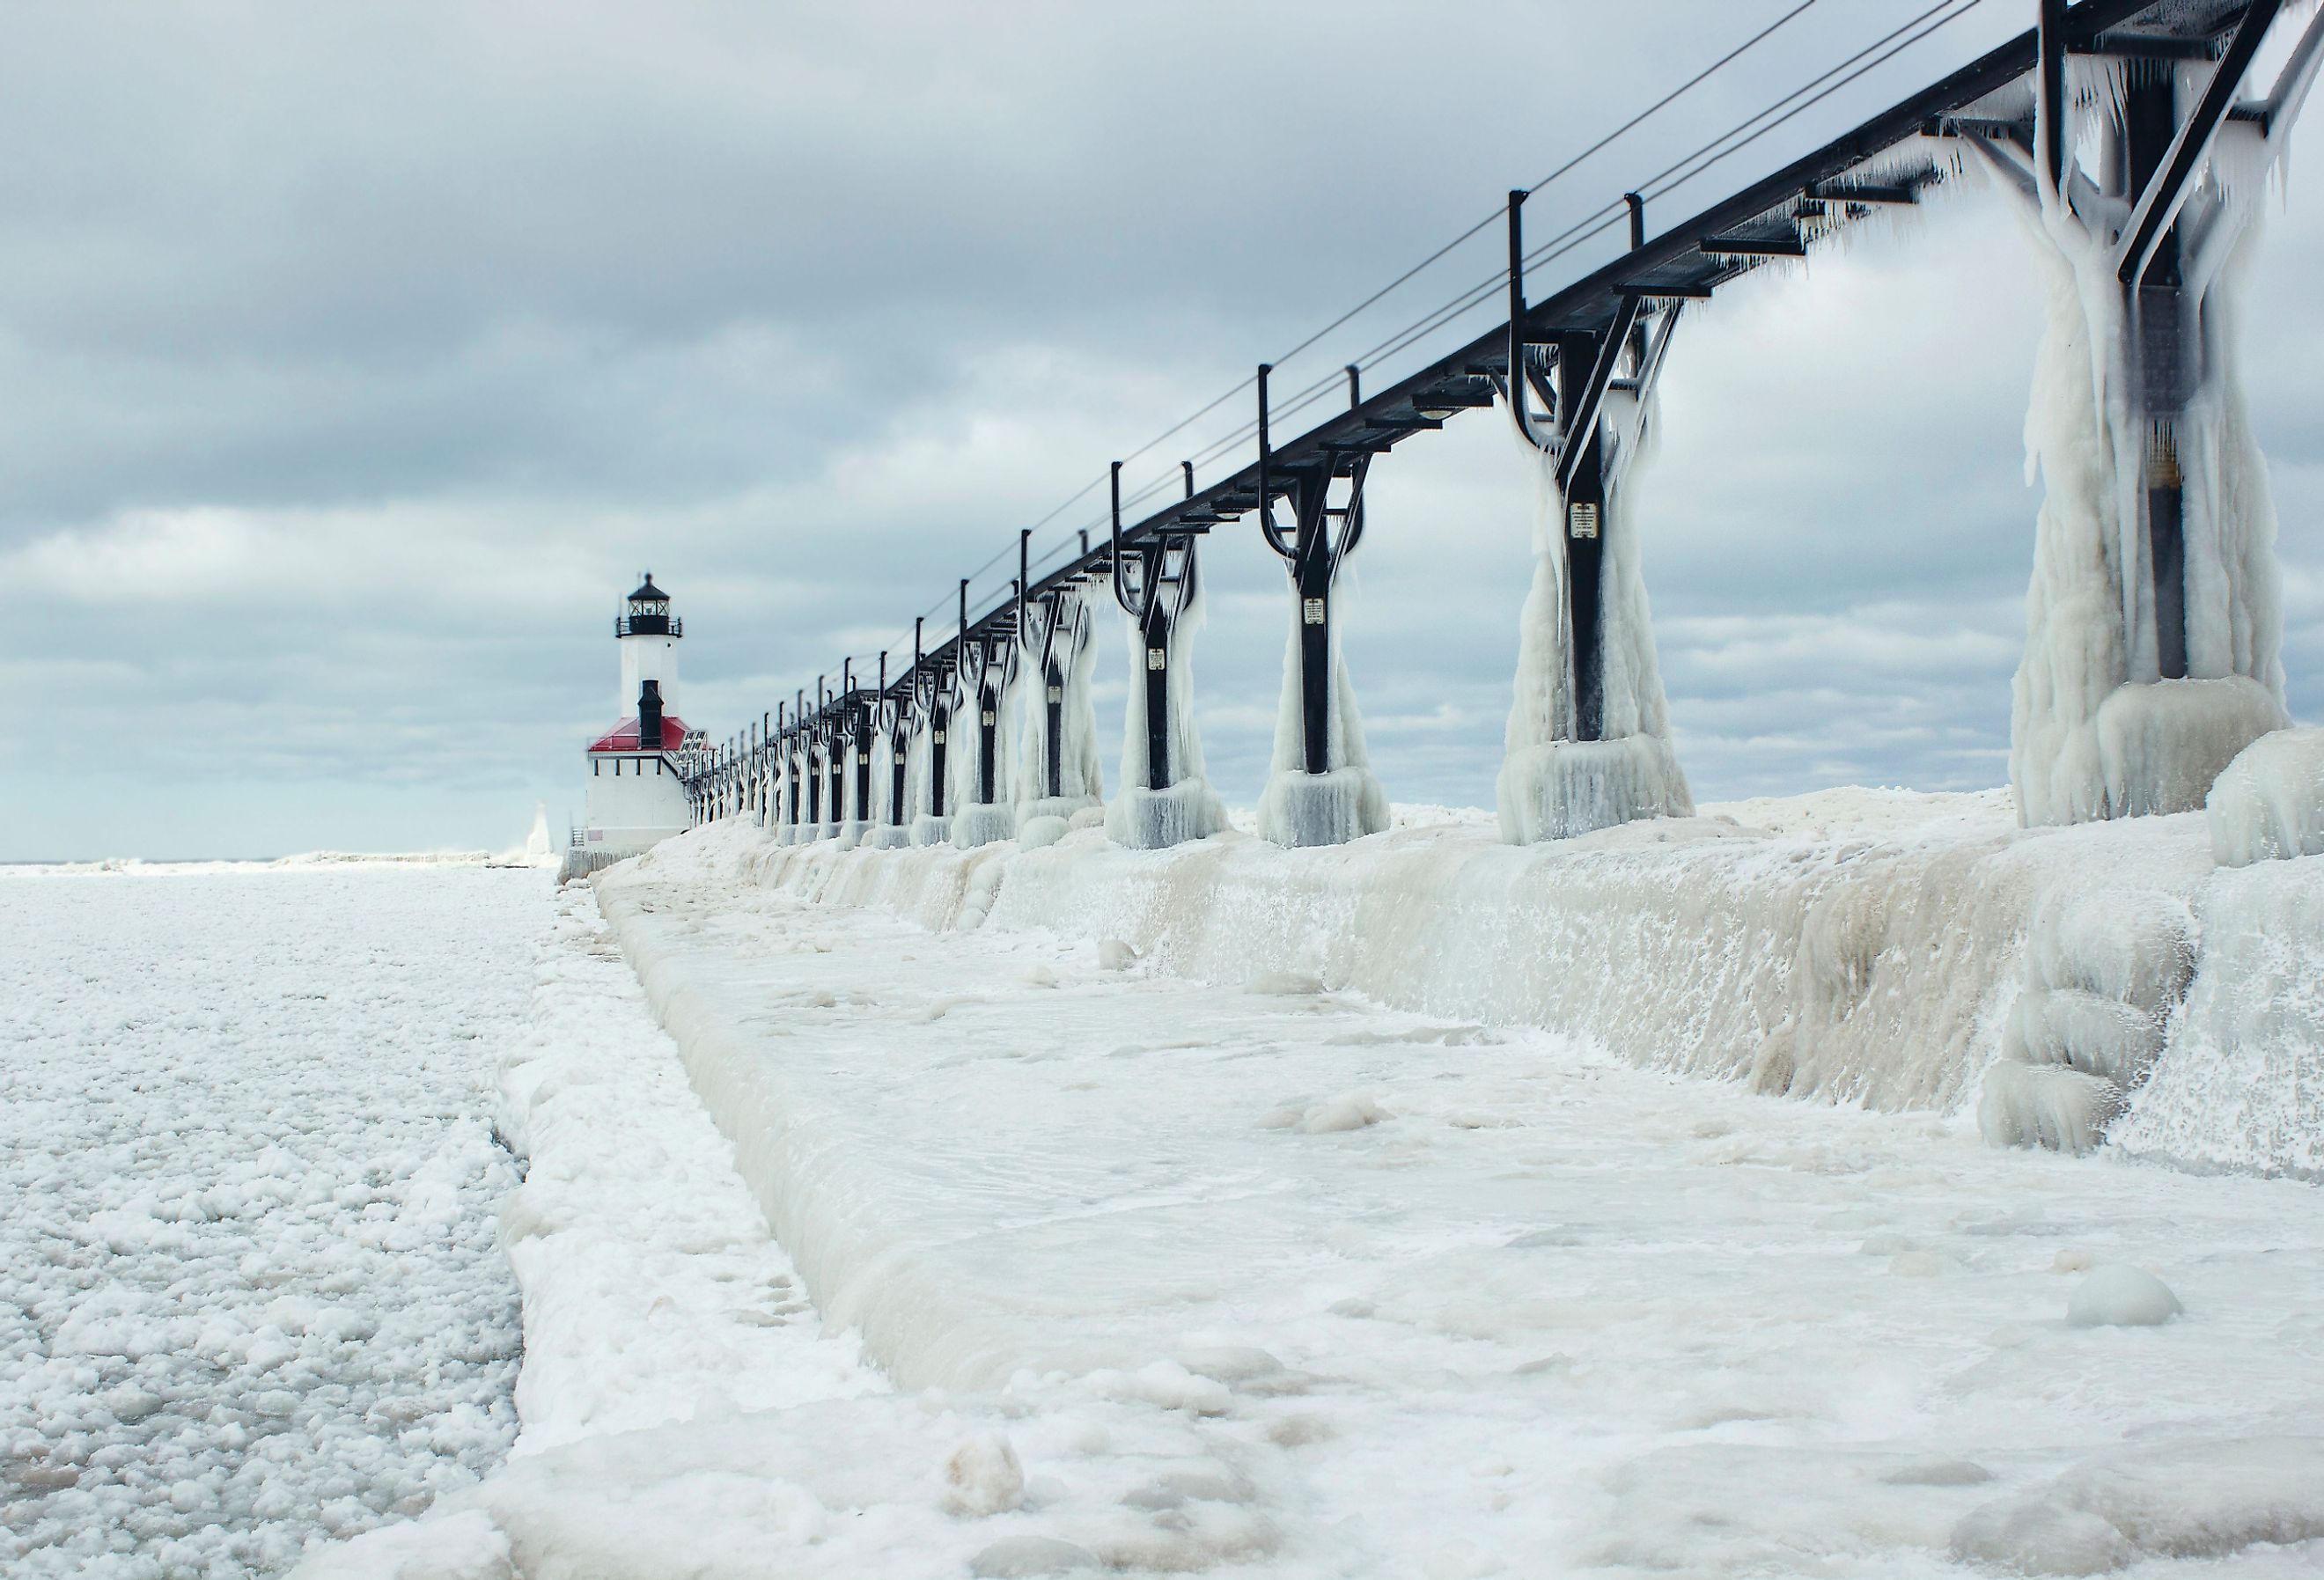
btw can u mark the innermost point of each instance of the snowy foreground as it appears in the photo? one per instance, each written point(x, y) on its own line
point(251, 1295)
point(1117, 1268)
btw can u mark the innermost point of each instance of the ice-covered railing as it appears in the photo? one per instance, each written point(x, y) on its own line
point(2152, 657)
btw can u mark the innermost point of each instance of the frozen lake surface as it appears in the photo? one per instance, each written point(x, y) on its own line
point(251, 1293)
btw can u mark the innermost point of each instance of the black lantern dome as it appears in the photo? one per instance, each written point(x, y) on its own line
point(648, 613)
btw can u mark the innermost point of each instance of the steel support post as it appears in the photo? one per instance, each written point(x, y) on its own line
point(1312, 551)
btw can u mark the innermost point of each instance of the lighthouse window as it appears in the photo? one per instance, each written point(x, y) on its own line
point(593, 768)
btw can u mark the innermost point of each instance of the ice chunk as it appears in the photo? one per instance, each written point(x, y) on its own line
point(1026, 1558)
point(2046, 1105)
point(1348, 1111)
point(2186, 1501)
point(982, 1477)
point(2040, 1539)
point(2269, 802)
point(1034, 833)
point(1114, 955)
point(2133, 944)
point(2097, 1036)
point(2116, 1295)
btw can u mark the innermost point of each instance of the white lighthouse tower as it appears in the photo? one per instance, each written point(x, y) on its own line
point(635, 794)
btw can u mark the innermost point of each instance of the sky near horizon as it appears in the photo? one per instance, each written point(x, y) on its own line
point(354, 360)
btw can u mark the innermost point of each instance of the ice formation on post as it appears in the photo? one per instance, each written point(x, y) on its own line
point(2151, 621)
point(1165, 799)
point(1341, 800)
point(1320, 786)
point(1588, 744)
point(928, 787)
point(892, 825)
point(854, 748)
point(1057, 773)
point(980, 792)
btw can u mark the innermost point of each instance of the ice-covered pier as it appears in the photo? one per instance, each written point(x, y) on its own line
point(2136, 142)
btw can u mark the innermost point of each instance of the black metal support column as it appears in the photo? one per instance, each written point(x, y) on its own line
point(1584, 539)
point(2164, 342)
point(1312, 552)
point(1155, 584)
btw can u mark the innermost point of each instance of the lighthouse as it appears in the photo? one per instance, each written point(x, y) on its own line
point(635, 795)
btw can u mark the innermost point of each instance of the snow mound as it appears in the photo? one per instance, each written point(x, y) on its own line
point(983, 1478)
point(1028, 1558)
point(1034, 833)
point(2116, 1295)
point(1350, 1111)
point(2196, 1501)
point(2269, 802)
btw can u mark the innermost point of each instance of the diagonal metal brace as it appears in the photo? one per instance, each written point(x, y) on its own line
point(2159, 205)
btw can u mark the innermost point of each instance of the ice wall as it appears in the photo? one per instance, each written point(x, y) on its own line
point(1150, 820)
point(1898, 952)
point(2095, 730)
point(1344, 802)
point(1552, 786)
point(1081, 780)
point(1874, 967)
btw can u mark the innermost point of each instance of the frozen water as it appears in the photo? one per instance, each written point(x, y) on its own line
point(251, 1295)
point(1546, 1313)
point(2241, 1085)
point(2269, 802)
point(2119, 1296)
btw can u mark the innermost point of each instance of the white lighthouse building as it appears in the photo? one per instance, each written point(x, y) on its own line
point(635, 794)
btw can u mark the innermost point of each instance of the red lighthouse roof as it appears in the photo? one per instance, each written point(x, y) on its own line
point(623, 737)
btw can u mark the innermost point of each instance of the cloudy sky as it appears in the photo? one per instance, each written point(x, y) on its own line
point(354, 358)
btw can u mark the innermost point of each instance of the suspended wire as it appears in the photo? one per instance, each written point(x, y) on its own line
point(1588, 227)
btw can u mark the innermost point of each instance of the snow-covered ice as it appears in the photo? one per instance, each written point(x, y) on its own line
point(1258, 1277)
point(251, 1295)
